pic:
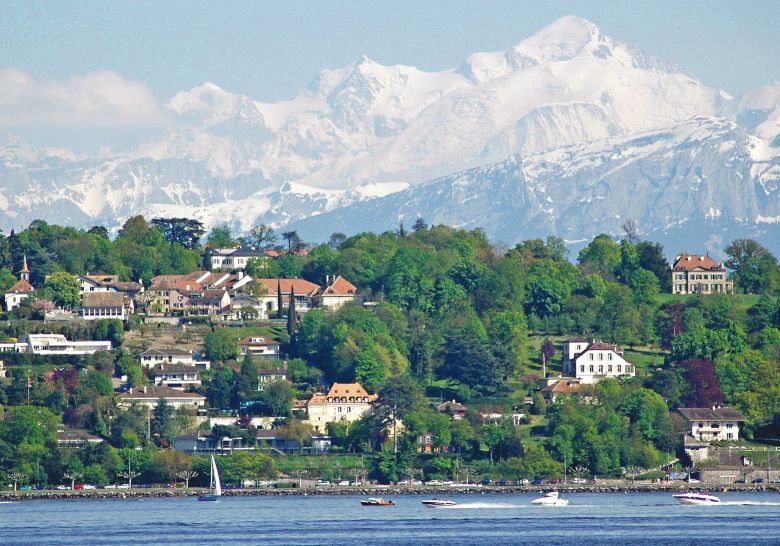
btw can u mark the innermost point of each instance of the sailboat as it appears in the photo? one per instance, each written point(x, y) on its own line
point(214, 484)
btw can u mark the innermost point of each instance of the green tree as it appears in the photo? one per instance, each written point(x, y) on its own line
point(221, 237)
point(162, 419)
point(220, 345)
point(278, 396)
point(262, 236)
point(755, 268)
point(64, 288)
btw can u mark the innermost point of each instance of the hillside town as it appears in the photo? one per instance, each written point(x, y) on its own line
point(416, 353)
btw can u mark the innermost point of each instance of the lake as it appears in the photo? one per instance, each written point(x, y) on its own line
point(603, 518)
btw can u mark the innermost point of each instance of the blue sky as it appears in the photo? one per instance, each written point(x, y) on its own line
point(91, 74)
point(268, 50)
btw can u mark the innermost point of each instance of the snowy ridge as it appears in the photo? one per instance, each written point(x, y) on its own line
point(568, 102)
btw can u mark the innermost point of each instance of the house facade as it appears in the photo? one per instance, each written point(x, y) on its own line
point(152, 358)
point(344, 401)
point(103, 305)
point(266, 376)
point(303, 290)
point(595, 361)
point(234, 259)
point(699, 275)
point(150, 397)
point(176, 376)
point(260, 347)
point(712, 424)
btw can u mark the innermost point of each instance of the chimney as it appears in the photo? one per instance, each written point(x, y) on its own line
point(131, 390)
point(327, 279)
point(144, 389)
point(240, 275)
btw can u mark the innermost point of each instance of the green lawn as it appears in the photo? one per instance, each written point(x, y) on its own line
point(742, 302)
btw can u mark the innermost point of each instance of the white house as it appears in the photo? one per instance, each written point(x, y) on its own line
point(711, 424)
point(109, 283)
point(260, 347)
point(103, 305)
point(150, 397)
point(54, 344)
point(19, 291)
point(303, 290)
point(595, 361)
point(336, 292)
point(233, 258)
point(270, 375)
point(157, 357)
point(344, 401)
point(176, 376)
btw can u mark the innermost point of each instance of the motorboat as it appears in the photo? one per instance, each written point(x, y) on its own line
point(377, 502)
point(696, 498)
point(437, 503)
point(550, 499)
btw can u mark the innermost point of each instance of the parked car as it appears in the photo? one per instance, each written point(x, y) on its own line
point(25, 488)
point(323, 482)
point(486, 482)
point(109, 486)
point(554, 481)
point(433, 482)
point(579, 480)
point(758, 480)
point(344, 483)
point(123, 486)
point(417, 482)
point(539, 481)
point(63, 487)
point(503, 482)
point(523, 481)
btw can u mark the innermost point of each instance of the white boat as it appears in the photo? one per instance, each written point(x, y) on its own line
point(550, 499)
point(438, 503)
point(696, 498)
point(214, 484)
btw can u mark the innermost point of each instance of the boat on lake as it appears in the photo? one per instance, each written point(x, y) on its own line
point(437, 503)
point(550, 499)
point(215, 486)
point(377, 502)
point(696, 498)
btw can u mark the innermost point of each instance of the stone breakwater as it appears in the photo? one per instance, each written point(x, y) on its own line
point(384, 491)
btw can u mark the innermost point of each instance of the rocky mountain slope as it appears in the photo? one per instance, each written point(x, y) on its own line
point(594, 130)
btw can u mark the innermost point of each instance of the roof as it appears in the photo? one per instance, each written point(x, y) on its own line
point(205, 295)
point(451, 405)
point(688, 262)
point(127, 286)
point(601, 346)
point(101, 279)
point(72, 436)
point(21, 287)
point(711, 414)
point(166, 352)
point(562, 386)
point(102, 299)
point(339, 287)
point(174, 368)
point(343, 390)
point(300, 286)
point(253, 341)
point(154, 393)
point(273, 371)
point(174, 282)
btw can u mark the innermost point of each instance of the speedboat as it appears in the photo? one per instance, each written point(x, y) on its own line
point(377, 502)
point(438, 503)
point(696, 498)
point(550, 499)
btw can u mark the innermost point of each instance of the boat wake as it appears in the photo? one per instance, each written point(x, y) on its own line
point(482, 505)
point(749, 503)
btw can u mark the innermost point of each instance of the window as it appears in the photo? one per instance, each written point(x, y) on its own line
point(620, 368)
point(601, 356)
point(609, 356)
point(609, 368)
point(591, 368)
point(629, 369)
point(729, 435)
point(339, 409)
point(601, 368)
point(582, 368)
point(590, 356)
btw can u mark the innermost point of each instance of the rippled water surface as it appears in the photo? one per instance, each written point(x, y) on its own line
point(633, 518)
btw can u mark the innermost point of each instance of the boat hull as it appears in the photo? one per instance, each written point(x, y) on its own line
point(697, 500)
point(208, 498)
point(438, 503)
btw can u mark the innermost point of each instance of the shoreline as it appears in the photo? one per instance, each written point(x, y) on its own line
point(141, 493)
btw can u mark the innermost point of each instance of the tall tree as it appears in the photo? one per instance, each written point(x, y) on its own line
point(64, 288)
point(279, 299)
point(291, 318)
point(262, 236)
point(186, 232)
point(221, 237)
point(704, 386)
point(755, 268)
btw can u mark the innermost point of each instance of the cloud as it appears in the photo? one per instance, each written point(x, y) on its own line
point(97, 99)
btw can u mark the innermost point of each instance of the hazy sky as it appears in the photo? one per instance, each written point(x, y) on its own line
point(94, 66)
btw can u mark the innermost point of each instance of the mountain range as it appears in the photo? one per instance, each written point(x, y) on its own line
point(567, 133)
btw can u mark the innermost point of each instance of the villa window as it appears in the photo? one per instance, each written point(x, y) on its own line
point(591, 368)
point(609, 368)
point(601, 368)
point(582, 368)
point(629, 369)
point(601, 356)
point(339, 409)
point(590, 356)
point(620, 368)
point(609, 356)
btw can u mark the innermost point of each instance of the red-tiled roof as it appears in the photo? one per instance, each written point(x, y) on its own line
point(21, 287)
point(302, 287)
point(174, 282)
point(339, 287)
point(563, 386)
point(688, 262)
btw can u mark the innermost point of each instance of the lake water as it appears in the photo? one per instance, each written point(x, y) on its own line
point(621, 518)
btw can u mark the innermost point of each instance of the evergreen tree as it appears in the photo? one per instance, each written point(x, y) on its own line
point(291, 313)
point(279, 300)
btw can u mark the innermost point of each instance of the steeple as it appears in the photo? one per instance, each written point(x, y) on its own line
point(24, 274)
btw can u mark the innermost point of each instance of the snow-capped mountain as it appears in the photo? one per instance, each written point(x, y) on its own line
point(565, 104)
point(701, 182)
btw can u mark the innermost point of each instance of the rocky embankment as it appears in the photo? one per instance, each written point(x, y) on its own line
point(385, 491)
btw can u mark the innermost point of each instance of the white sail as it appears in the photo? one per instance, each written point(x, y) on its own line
point(215, 473)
